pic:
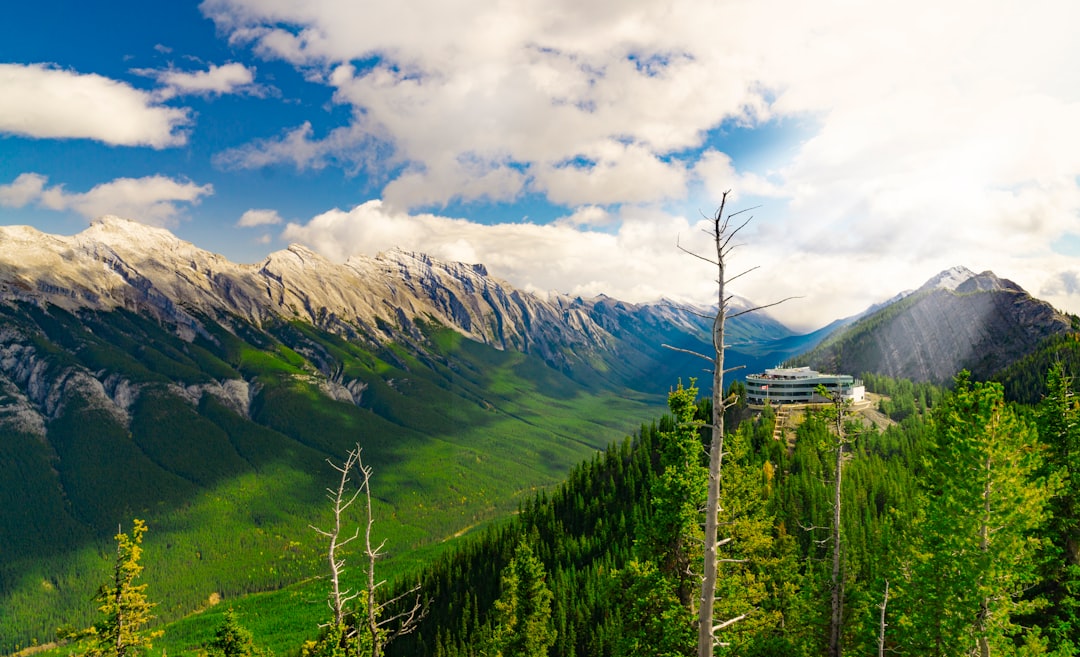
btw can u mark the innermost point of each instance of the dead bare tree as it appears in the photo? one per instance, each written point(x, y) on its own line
point(836, 617)
point(722, 234)
point(383, 630)
point(341, 501)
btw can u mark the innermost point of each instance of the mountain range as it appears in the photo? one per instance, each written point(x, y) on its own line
point(141, 376)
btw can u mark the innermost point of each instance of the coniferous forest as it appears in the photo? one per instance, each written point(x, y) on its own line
point(958, 534)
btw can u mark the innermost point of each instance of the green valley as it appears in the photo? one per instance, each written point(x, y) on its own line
point(458, 434)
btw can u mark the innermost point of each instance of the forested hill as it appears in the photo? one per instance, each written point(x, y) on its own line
point(957, 320)
point(614, 558)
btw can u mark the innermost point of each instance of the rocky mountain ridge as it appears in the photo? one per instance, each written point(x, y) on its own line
point(117, 263)
point(956, 320)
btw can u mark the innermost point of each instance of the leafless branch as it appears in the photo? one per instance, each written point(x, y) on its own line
point(742, 274)
point(687, 351)
point(689, 252)
point(383, 630)
point(341, 501)
point(768, 305)
point(728, 623)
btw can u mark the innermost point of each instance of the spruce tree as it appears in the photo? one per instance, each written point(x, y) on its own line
point(977, 552)
point(523, 626)
point(232, 640)
point(674, 537)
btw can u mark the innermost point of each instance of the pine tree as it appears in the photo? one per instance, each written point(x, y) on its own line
point(977, 553)
point(124, 603)
point(523, 625)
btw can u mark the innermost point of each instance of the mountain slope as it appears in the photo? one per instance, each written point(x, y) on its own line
point(143, 377)
point(957, 320)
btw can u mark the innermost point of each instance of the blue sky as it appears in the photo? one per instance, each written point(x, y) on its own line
point(566, 145)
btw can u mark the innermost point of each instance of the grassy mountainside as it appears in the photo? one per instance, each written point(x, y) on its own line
point(220, 444)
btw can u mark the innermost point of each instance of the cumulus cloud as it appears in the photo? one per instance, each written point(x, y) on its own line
point(253, 218)
point(216, 81)
point(46, 102)
point(151, 200)
point(523, 86)
point(935, 134)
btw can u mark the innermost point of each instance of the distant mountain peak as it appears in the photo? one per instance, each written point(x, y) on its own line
point(110, 225)
point(956, 320)
point(950, 279)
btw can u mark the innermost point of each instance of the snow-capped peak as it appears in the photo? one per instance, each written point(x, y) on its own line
point(949, 279)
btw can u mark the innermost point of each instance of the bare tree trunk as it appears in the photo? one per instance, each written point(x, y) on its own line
point(706, 632)
point(722, 234)
point(881, 623)
point(372, 555)
point(341, 501)
point(406, 621)
point(836, 620)
point(984, 545)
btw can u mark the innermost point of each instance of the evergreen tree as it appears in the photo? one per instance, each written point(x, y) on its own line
point(977, 554)
point(127, 611)
point(655, 623)
point(523, 624)
point(752, 563)
point(1059, 428)
point(674, 536)
point(232, 640)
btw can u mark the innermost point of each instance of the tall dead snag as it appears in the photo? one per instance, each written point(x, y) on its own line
point(383, 630)
point(836, 618)
point(722, 234)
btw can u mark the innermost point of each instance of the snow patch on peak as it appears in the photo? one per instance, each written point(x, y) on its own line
point(22, 234)
point(112, 224)
point(950, 279)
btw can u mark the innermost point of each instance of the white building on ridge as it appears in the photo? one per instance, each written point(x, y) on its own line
point(798, 385)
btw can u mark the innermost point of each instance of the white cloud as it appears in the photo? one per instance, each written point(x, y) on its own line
point(216, 81)
point(937, 133)
point(26, 189)
point(524, 85)
point(586, 216)
point(46, 102)
point(253, 218)
point(345, 146)
point(637, 262)
point(151, 200)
